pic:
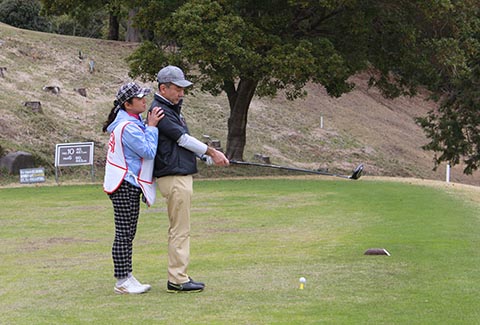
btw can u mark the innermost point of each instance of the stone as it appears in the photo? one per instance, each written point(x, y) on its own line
point(81, 91)
point(35, 106)
point(53, 89)
point(262, 158)
point(15, 161)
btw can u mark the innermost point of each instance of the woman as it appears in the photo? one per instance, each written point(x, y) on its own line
point(128, 173)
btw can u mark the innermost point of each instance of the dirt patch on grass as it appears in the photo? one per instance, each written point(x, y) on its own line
point(31, 246)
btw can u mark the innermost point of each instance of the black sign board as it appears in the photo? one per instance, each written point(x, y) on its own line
point(74, 154)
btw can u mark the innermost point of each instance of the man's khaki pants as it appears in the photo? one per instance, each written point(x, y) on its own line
point(178, 190)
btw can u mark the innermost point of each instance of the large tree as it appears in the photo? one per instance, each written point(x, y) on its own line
point(246, 48)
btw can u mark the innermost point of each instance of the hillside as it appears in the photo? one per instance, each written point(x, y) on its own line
point(358, 127)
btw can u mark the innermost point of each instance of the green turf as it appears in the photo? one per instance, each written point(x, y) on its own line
point(251, 241)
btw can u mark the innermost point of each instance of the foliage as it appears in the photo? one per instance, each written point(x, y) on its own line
point(23, 14)
point(246, 47)
point(90, 26)
point(454, 128)
point(86, 13)
point(243, 39)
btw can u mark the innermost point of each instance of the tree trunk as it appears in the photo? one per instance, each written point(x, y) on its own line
point(113, 27)
point(133, 33)
point(239, 101)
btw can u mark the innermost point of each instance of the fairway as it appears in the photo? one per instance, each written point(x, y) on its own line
point(252, 239)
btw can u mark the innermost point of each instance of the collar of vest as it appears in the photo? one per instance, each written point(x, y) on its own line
point(176, 107)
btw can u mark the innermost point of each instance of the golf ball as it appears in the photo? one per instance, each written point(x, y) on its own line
point(302, 280)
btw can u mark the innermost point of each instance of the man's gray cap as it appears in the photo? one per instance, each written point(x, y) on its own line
point(173, 75)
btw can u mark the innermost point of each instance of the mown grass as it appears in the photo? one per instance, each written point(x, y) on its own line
point(251, 241)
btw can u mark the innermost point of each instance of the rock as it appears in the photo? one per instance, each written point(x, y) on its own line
point(81, 91)
point(15, 161)
point(53, 89)
point(36, 106)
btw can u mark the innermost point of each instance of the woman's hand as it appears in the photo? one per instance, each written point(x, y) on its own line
point(154, 116)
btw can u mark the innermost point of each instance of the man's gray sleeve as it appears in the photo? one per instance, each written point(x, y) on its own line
point(190, 143)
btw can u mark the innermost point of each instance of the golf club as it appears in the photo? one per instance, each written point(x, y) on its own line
point(357, 172)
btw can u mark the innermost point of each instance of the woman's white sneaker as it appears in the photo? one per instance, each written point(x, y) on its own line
point(131, 286)
point(146, 286)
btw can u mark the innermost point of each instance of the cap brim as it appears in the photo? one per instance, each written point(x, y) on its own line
point(143, 92)
point(182, 83)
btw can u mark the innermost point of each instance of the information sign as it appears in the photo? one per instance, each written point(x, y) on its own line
point(32, 175)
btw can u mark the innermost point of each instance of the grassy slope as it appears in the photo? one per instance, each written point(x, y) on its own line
point(358, 127)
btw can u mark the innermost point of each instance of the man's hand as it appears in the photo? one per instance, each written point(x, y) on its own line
point(218, 157)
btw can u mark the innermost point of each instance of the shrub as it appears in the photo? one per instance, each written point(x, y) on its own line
point(23, 14)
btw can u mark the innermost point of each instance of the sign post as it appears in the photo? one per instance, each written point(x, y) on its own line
point(73, 154)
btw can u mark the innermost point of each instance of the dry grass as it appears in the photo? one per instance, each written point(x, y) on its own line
point(361, 126)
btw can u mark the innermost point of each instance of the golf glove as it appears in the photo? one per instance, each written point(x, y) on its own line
point(208, 160)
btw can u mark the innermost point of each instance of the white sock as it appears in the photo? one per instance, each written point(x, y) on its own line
point(121, 281)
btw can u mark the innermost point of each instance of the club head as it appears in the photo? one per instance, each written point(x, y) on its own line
point(357, 172)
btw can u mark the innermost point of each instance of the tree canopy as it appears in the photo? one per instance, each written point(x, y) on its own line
point(454, 128)
point(247, 48)
point(23, 14)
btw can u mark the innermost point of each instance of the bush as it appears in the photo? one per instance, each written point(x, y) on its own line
point(23, 14)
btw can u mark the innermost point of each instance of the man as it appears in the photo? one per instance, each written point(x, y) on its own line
point(175, 163)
